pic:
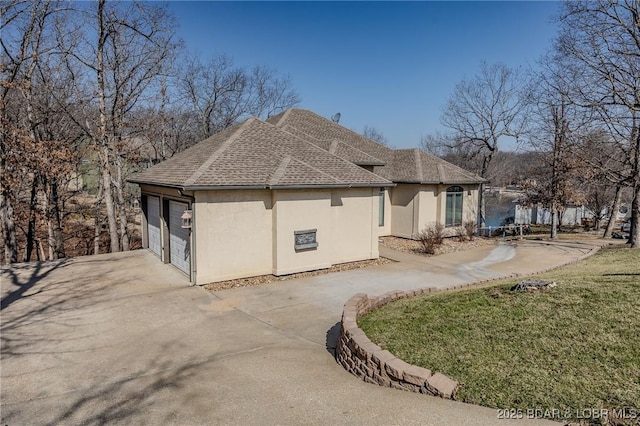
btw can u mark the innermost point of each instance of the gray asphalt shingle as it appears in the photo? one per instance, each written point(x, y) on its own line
point(256, 154)
point(397, 165)
point(297, 148)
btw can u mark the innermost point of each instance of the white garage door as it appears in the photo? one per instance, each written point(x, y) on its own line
point(179, 237)
point(153, 224)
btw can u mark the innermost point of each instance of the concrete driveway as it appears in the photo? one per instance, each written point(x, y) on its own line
point(121, 338)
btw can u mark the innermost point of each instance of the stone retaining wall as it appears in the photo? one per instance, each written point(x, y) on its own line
point(363, 358)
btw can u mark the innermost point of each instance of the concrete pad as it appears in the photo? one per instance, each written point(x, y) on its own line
point(122, 338)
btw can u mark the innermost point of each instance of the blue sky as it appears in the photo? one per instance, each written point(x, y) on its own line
point(390, 65)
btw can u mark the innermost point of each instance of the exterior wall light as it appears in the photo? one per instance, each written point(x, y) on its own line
point(186, 219)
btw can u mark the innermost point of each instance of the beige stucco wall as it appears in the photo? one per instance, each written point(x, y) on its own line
point(354, 226)
point(233, 234)
point(243, 233)
point(405, 199)
point(430, 210)
point(414, 207)
point(299, 211)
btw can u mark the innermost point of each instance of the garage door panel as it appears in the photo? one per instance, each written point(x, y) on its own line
point(179, 246)
point(153, 224)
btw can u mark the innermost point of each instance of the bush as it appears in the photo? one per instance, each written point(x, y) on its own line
point(431, 237)
point(469, 229)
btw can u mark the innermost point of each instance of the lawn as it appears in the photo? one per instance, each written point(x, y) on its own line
point(570, 348)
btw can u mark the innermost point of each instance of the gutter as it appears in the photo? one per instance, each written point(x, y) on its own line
point(470, 182)
point(308, 186)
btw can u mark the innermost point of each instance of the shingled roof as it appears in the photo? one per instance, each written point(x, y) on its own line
point(298, 148)
point(397, 165)
point(257, 154)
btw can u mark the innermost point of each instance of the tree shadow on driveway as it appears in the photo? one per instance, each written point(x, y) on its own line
point(25, 276)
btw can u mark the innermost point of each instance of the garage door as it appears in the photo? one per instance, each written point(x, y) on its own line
point(179, 249)
point(153, 224)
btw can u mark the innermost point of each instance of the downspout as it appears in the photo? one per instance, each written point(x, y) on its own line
point(194, 268)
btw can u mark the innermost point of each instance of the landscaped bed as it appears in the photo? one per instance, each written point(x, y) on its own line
point(555, 352)
point(265, 279)
point(449, 245)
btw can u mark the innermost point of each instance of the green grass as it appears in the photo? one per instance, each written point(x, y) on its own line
point(573, 347)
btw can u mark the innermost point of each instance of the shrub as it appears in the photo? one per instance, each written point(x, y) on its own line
point(431, 237)
point(469, 229)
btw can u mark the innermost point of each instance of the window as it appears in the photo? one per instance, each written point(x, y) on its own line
point(453, 215)
point(381, 207)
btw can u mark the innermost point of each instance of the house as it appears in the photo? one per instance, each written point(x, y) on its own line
point(294, 193)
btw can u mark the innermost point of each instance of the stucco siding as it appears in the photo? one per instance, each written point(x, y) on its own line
point(244, 233)
point(430, 208)
point(233, 235)
point(354, 227)
point(404, 206)
point(301, 210)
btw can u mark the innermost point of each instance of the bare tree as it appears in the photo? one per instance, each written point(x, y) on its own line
point(119, 66)
point(484, 110)
point(602, 39)
point(221, 93)
point(375, 135)
point(268, 93)
point(603, 173)
point(36, 139)
point(554, 129)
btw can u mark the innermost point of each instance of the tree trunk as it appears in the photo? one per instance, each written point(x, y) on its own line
point(108, 202)
point(634, 234)
point(31, 227)
point(56, 241)
point(41, 256)
point(49, 238)
point(482, 203)
point(97, 225)
point(8, 229)
point(124, 232)
point(613, 213)
point(103, 140)
point(554, 221)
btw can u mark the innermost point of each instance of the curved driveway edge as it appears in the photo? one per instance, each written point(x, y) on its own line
point(368, 361)
point(121, 338)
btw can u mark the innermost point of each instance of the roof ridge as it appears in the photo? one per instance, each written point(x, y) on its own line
point(277, 175)
point(441, 172)
point(214, 156)
point(282, 117)
point(334, 146)
point(316, 169)
point(418, 159)
point(458, 169)
point(339, 142)
point(342, 128)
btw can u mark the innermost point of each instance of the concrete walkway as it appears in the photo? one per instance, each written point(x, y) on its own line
point(121, 338)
